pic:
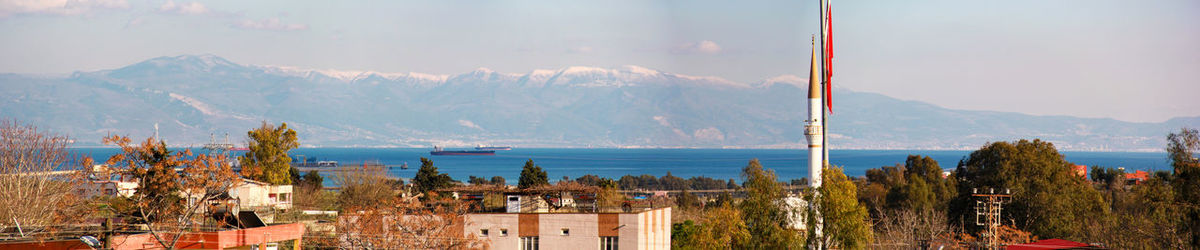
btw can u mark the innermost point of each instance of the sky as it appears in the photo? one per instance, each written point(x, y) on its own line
point(1127, 60)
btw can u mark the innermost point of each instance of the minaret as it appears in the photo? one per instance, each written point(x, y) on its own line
point(816, 135)
point(812, 127)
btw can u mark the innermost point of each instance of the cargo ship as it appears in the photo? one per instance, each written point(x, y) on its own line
point(482, 147)
point(438, 151)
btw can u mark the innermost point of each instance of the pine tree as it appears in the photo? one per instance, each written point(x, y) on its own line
point(428, 178)
point(532, 176)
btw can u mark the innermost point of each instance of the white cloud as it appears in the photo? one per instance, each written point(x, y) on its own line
point(469, 124)
point(58, 7)
point(662, 121)
point(190, 8)
point(701, 47)
point(269, 24)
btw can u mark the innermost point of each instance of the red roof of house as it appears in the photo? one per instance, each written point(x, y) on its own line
point(1139, 175)
point(1053, 244)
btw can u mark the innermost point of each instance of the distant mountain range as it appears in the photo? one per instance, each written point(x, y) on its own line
point(191, 97)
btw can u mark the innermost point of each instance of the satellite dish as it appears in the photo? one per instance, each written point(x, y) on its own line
point(90, 241)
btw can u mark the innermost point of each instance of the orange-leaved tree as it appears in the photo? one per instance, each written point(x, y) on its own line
point(174, 187)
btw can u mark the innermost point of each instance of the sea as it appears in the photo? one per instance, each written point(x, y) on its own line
point(613, 163)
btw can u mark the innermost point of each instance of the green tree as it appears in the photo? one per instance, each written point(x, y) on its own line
point(498, 180)
point(764, 215)
point(473, 180)
point(687, 200)
point(1048, 199)
point(720, 228)
point(313, 180)
point(925, 188)
point(532, 176)
point(267, 160)
point(428, 178)
point(1181, 148)
point(846, 220)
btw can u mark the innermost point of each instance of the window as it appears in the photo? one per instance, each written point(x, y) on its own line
point(529, 243)
point(504, 232)
point(565, 231)
point(283, 197)
point(483, 232)
point(608, 243)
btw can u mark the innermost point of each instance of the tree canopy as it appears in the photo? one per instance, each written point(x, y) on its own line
point(267, 160)
point(846, 220)
point(1182, 147)
point(428, 178)
point(765, 216)
point(1048, 198)
point(532, 176)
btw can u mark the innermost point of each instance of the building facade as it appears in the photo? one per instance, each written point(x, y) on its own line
point(648, 229)
point(252, 194)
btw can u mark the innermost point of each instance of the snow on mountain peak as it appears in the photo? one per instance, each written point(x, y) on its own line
point(640, 70)
point(783, 79)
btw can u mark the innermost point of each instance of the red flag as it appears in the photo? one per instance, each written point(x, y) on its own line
point(828, 56)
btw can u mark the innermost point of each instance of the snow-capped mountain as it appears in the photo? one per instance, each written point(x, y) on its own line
point(191, 97)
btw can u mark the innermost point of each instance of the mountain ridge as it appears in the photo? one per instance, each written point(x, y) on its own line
point(192, 96)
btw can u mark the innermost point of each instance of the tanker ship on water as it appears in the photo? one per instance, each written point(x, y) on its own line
point(439, 151)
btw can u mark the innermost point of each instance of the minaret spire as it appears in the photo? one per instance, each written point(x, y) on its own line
point(814, 131)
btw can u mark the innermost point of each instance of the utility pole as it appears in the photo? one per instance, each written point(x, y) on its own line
point(987, 214)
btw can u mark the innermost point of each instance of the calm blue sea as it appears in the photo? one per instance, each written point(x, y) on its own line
point(614, 163)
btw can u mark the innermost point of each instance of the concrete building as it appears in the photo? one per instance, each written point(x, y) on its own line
point(251, 194)
point(103, 181)
point(93, 188)
point(648, 229)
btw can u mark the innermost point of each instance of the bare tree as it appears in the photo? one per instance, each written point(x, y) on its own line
point(912, 228)
point(172, 188)
point(37, 177)
point(365, 186)
point(411, 224)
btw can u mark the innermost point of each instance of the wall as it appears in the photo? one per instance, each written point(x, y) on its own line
point(583, 231)
point(494, 222)
point(646, 230)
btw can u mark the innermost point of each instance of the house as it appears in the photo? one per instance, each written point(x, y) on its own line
point(107, 182)
point(92, 188)
point(251, 194)
point(1081, 171)
point(647, 229)
point(1137, 177)
point(565, 215)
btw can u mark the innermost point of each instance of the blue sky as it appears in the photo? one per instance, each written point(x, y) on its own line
point(1128, 60)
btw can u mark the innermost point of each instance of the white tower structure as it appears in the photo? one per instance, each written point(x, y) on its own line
point(815, 133)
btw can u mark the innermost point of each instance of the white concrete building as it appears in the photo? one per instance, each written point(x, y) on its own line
point(252, 194)
point(649, 229)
